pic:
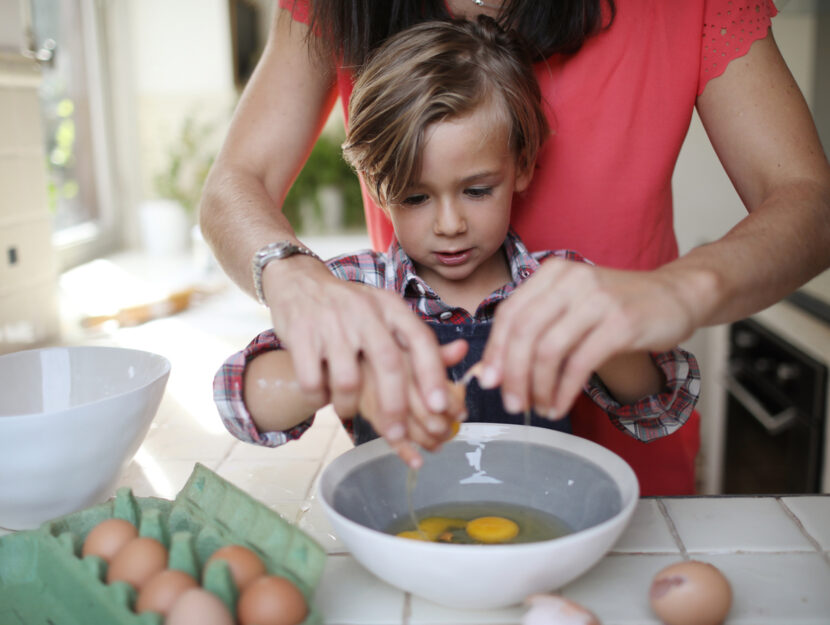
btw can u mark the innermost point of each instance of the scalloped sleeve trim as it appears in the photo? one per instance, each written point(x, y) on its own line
point(730, 27)
point(298, 9)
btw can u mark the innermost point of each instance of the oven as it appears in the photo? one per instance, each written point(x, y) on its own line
point(775, 413)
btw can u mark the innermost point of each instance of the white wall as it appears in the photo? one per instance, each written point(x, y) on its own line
point(10, 30)
point(177, 64)
point(181, 47)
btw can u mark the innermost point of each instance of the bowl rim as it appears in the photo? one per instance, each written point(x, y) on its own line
point(28, 416)
point(625, 512)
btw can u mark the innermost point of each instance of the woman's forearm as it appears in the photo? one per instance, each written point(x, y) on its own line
point(762, 131)
point(783, 243)
point(238, 217)
point(278, 119)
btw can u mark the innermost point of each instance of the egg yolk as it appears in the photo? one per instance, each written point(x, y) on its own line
point(432, 527)
point(492, 529)
point(412, 534)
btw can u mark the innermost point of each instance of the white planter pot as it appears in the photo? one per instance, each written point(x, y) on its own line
point(165, 227)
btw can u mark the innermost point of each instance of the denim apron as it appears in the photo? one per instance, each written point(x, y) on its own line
point(483, 406)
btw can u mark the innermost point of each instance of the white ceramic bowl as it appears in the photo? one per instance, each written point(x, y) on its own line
point(70, 419)
point(592, 489)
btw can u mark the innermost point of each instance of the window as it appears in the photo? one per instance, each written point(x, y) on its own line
point(66, 36)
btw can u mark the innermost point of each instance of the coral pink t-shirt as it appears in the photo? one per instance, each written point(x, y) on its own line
point(620, 109)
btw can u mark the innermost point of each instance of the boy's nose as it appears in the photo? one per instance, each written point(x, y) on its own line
point(449, 220)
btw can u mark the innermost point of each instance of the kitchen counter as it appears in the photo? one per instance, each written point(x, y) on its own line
point(774, 550)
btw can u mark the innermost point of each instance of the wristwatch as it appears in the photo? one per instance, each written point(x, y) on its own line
point(274, 251)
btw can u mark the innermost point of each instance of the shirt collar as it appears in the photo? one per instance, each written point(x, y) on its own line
point(406, 282)
point(403, 277)
point(522, 264)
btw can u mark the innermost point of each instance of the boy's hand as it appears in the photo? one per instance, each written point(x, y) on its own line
point(424, 428)
point(569, 318)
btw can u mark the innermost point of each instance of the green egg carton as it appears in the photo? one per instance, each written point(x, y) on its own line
point(45, 581)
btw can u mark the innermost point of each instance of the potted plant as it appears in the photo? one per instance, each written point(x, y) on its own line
point(167, 220)
point(325, 197)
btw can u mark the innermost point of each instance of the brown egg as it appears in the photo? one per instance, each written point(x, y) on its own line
point(199, 607)
point(271, 600)
point(107, 538)
point(162, 590)
point(556, 610)
point(244, 564)
point(690, 593)
point(137, 561)
point(459, 391)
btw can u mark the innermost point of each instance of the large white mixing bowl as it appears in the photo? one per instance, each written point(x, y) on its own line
point(70, 419)
point(589, 487)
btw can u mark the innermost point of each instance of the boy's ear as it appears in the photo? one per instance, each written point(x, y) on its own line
point(523, 178)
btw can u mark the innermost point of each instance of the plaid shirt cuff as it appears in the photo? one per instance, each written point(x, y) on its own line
point(657, 415)
point(228, 386)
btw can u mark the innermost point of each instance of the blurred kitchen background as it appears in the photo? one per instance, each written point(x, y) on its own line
point(111, 112)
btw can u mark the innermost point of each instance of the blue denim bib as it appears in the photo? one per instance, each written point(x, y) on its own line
point(483, 406)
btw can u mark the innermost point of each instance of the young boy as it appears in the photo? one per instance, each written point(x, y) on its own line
point(446, 121)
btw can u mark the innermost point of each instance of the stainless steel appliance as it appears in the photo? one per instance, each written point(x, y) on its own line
point(776, 399)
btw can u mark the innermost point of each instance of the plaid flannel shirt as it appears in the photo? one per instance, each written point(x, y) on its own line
point(648, 419)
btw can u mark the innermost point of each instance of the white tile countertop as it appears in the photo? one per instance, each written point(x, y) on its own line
point(774, 550)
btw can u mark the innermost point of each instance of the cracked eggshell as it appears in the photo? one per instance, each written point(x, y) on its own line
point(690, 593)
point(556, 610)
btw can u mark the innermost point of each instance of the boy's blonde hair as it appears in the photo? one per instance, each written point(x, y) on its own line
point(432, 72)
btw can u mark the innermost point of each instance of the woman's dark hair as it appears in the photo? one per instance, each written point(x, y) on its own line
point(352, 29)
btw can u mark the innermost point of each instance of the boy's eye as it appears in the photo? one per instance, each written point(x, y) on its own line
point(479, 191)
point(414, 200)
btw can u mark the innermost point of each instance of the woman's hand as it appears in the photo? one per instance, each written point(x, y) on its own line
point(348, 341)
point(569, 318)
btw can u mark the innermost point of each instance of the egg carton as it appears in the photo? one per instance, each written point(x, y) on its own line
point(45, 581)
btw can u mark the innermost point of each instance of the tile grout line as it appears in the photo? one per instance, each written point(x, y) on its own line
point(305, 506)
point(672, 529)
point(225, 458)
point(794, 517)
point(321, 459)
point(407, 609)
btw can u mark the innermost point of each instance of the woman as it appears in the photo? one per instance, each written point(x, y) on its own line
point(621, 80)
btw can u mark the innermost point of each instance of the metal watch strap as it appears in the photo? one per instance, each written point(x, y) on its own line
point(274, 251)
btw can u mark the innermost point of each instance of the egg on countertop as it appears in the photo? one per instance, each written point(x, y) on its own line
point(271, 600)
point(690, 593)
point(197, 606)
point(245, 566)
point(138, 561)
point(556, 610)
point(163, 590)
point(108, 537)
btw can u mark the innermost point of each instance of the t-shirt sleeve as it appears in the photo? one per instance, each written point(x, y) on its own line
point(730, 27)
point(298, 8)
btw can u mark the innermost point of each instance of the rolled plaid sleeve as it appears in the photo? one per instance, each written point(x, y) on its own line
point(657, 415)
point(228, 386)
